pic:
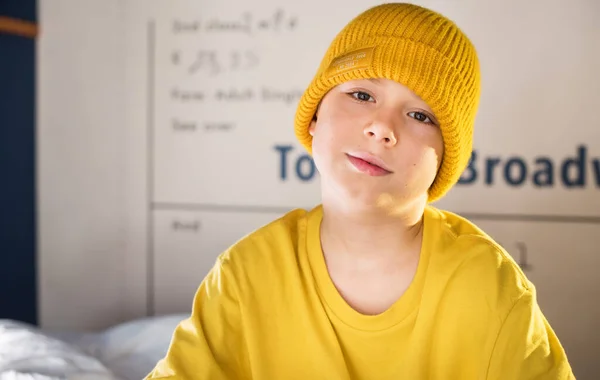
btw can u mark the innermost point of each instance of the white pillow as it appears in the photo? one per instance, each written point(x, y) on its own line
point(27, 353)
point(132, 349)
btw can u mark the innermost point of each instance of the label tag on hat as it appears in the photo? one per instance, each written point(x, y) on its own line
point(350, 61)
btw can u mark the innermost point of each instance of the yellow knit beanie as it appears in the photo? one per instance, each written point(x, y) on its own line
point(420, 49)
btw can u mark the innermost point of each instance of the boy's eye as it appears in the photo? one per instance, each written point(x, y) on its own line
point(362, 96)
point(420, 116)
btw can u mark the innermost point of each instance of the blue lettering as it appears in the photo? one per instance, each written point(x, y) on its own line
point(578, 164)
point(283, 149)
point(489, 170)
point(311, 168)
point(471, 169)
point(596, 165)
point(545, 175)
point(521, 173)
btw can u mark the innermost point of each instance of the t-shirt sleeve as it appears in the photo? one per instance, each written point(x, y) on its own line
point(210, 343)
point(527, 347)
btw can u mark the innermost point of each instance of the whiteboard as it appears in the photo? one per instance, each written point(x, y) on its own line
point(206, 100)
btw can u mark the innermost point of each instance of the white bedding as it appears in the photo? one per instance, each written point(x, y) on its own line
point(125, 352)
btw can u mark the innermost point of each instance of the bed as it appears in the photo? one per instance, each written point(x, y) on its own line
point(124, 352)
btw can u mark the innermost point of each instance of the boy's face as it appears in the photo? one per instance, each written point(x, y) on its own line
point(376, 121)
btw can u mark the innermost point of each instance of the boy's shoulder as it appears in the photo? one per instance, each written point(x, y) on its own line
point(471, 255)
point(281, 235)
point(457, 225)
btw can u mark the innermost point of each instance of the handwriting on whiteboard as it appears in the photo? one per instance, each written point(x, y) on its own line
point(246, 23)
point(214, 62)
point(215, 46)
point(288, 96)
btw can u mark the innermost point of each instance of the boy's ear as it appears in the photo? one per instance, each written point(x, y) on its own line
point(313, 122)
point(312, 126)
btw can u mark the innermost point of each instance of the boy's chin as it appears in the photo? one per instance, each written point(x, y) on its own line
point(368, 198)
point(356, 198)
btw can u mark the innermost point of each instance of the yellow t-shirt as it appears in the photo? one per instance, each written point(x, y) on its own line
point(268, 310)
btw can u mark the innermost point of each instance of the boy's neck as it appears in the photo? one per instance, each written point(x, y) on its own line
point(371, 232)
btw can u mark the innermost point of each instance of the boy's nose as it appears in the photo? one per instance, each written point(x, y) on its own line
point(381, 133)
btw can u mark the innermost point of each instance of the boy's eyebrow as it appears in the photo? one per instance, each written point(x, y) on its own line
point(374, 80)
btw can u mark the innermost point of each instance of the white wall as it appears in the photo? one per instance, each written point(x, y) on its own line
point(133, 211)
point(81, 150)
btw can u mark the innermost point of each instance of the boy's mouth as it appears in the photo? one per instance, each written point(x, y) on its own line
point(368, 164)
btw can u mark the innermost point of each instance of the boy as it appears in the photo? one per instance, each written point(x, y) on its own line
point(374, 283)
